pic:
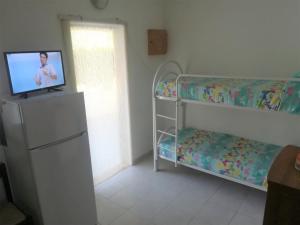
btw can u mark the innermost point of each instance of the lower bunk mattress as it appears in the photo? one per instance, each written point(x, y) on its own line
point(240, 158)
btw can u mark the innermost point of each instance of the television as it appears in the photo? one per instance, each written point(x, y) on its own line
point(34, 71)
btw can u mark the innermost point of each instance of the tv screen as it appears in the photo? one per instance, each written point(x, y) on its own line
point(32, 71)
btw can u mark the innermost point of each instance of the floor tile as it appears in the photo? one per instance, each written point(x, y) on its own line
point(230, 195)
point(147, 208)
point(130, 218)
point(172, 216)
point(240, 219)
point(191, 202)
point(254, 204)
point(125, 198)
point(108, 188)
point(108, 211)
point(140, 196)
point(213, 214)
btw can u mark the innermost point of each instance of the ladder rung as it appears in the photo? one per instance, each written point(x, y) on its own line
point(173, 99)
point(166, 133)
point(166, 117)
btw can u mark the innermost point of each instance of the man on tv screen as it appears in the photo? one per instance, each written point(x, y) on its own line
point(46, 74)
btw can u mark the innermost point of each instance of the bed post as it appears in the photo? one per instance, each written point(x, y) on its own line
point(155, 153)
point(178, 103)
point(176, 126)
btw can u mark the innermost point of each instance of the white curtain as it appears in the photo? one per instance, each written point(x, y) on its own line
point(99, 62)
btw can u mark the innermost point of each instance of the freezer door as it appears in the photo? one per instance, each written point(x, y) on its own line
point(52, 118)
point(64, 182)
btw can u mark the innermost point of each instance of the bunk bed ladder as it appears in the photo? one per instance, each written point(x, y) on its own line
point(163, 132)
point(156, 115)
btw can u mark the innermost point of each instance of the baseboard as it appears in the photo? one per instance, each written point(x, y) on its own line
point(142, 157)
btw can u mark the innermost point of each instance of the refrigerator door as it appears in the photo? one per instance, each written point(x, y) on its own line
point(52, 118)
point(64, 182)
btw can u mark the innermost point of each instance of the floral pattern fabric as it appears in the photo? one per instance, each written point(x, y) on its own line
point(225, 154)
point(266, 95)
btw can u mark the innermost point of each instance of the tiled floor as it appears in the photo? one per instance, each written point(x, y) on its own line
point(176, 196)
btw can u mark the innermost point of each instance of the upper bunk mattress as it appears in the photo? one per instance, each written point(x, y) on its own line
point(224, 154)
point(267, 95)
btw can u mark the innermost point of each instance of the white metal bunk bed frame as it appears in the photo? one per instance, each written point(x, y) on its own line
point(180, 103)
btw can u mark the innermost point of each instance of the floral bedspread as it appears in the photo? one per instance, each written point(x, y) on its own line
point(225, 154)
point(267, 95)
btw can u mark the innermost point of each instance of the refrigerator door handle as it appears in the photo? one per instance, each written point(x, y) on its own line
point(58, 142)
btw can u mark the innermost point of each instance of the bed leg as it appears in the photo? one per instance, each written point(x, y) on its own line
point(156, 165)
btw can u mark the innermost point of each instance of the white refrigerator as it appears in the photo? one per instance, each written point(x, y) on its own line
point(48, 158)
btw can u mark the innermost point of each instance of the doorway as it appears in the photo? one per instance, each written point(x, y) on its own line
point(100, 68)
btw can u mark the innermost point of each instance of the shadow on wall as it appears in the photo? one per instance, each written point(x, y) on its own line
point(2, 140)
point(2, 159)
point(2, 134)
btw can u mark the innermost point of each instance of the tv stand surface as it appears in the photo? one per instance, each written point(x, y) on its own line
point(25, 95)
point(54, 89)
point(51, 89)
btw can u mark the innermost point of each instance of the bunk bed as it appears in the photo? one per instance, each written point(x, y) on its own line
point(231, 157)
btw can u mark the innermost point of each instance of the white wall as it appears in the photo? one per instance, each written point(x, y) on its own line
point(33, 24)
point(242, 38)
